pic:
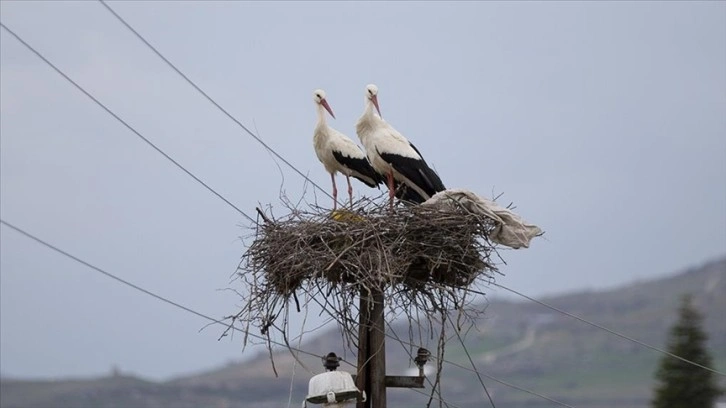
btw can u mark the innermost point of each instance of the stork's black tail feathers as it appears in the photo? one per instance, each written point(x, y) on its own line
point(418, 172)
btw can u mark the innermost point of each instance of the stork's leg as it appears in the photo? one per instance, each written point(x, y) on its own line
point(335, 192)
point(391, 189)
point(350, 191)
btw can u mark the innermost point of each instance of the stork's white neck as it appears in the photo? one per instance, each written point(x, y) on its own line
point(321, 115)
point(369, 109)
point(369, 116)
point(365, 125)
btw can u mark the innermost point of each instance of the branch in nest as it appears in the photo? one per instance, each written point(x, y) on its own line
point(262, 214)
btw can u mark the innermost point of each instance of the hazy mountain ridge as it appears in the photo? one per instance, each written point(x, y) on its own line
point(519, 342)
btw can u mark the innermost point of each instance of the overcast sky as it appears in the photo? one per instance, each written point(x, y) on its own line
point(605, 123)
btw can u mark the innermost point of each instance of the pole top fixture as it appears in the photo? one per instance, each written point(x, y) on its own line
point(331, 362)
point(422, 356)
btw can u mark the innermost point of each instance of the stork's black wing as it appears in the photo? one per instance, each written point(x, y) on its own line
point(415, 170)
point(434, 178)
point(362, 169)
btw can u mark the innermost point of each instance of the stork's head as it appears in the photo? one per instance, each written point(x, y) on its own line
point(319, 98)
point(372, 95)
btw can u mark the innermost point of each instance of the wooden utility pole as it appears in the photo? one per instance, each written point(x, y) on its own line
point(372, 349)
point(362, 378)
point(377, 349)
point(371, 375)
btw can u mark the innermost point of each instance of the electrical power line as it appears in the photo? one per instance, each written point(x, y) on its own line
point(207, 97)
point(441, 400)
point(471, 361)
point(123, 122)
point(598, 326)
point(477, 372)
point(148, 292)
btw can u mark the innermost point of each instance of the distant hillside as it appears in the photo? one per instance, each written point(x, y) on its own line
point(519, 342)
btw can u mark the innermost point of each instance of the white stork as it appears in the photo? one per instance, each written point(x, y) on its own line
point(394, 156)
point(338, 153)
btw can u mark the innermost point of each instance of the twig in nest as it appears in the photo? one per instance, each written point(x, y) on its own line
point(262, 214)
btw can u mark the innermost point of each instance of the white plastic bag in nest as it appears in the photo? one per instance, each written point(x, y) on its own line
point(511, 230)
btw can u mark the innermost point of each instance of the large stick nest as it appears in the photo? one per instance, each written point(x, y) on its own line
point(423, 257)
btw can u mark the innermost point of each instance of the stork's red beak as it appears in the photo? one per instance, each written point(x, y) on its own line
point(327, 107)
point(374, 99)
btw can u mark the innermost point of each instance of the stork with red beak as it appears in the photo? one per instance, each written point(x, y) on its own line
point(392, 155)
point(338, 153)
